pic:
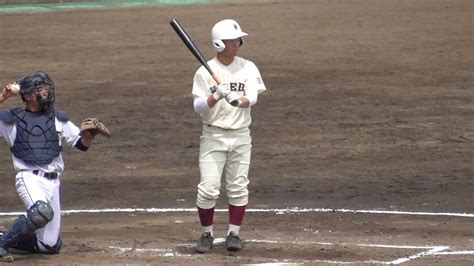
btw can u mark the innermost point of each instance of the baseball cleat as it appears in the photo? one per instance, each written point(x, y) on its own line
point(204, 243)
point(5, 256)
point(233, 242)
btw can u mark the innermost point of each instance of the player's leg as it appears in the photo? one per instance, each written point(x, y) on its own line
point(35, 193)
point(26, 243)
point(236, 172)
point(48, 238)
point(24, 182)
point(37, 216)
point(212, 157)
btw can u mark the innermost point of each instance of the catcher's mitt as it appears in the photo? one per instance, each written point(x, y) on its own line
point(94, 126)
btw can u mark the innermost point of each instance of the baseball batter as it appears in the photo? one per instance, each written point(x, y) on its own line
point(35, 135)
point(225, 146)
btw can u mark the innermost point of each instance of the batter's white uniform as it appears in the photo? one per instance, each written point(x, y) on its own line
point(33, 187)
point(225, 140)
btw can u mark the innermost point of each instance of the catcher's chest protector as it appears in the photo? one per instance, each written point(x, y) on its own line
point(36, 140)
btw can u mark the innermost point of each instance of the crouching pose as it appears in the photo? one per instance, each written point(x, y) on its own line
point(35, 135)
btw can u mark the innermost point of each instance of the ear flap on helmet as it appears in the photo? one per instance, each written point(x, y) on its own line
point(218, 45)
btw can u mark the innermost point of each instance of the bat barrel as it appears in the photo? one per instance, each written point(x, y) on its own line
point(179, 29)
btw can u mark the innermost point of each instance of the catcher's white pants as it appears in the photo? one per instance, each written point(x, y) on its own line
point(31, 188)
point(224, 151)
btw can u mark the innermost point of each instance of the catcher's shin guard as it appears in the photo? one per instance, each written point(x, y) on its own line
point(26, 243)
point(24, 226)
point(13, 235)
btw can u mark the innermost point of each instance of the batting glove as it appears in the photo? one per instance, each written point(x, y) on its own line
point(221, 91)
point(233, 98)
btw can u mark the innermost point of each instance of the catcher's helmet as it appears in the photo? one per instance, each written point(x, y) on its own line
point(226, 29)
point(32, 83)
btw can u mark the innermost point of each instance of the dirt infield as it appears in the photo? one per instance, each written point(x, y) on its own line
point(370, 107)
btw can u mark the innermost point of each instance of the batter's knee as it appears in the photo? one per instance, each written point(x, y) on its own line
point(209, 188)
point(238, 198)
point(208, 193)
point(238, 195)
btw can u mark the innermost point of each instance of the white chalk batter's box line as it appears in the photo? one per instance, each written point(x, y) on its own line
point(427, 250)
point(276, 211)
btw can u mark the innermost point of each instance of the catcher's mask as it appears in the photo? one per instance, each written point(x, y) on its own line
point(226, 29)
point(35, 83)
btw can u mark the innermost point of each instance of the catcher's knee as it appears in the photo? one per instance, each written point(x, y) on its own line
point(38, 215)
point(47, 249)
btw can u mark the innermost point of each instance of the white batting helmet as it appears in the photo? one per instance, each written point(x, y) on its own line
point(226, 29)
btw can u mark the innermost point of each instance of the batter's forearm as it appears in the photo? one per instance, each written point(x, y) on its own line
point(244, 103)
point(211, 101)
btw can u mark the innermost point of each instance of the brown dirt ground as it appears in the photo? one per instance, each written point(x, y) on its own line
point(369, 106)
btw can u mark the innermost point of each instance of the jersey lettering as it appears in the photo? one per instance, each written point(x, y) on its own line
point(234, 86)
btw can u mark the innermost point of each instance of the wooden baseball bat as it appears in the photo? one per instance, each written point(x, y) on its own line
point(192, 47)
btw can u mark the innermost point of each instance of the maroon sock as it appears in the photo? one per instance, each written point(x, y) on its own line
point(236, 214)
point(206, 216)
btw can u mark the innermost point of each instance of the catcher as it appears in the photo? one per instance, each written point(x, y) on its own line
point(36, 135)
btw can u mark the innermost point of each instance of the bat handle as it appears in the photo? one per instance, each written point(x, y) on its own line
point(216, 79)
